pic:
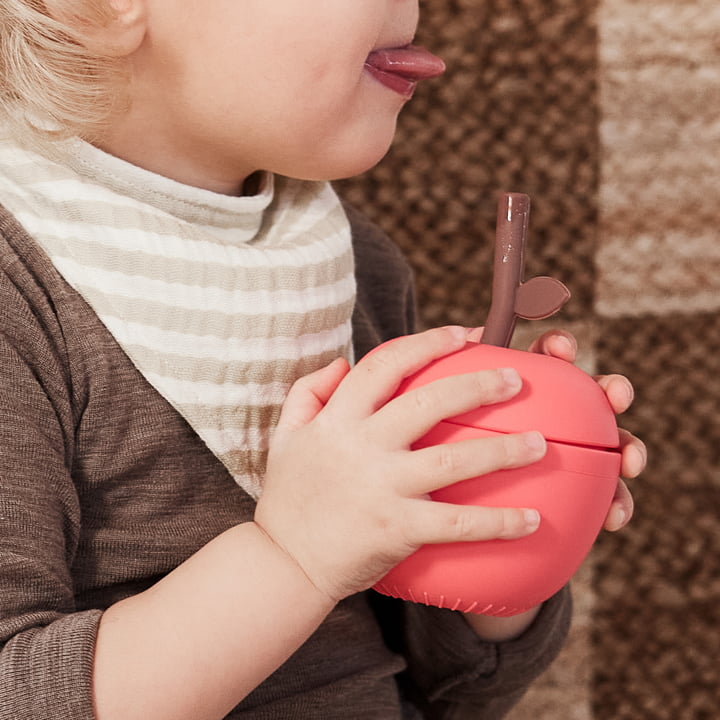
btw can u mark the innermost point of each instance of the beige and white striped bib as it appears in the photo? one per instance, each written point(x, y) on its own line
point(221, 302)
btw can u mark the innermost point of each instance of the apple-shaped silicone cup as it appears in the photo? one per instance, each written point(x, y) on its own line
point(572, 487)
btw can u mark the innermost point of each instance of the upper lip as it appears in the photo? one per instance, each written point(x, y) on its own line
point(396, 40)
point(398, 44)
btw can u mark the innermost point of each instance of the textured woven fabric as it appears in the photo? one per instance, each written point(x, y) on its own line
point(605, 112)
point(221, 302)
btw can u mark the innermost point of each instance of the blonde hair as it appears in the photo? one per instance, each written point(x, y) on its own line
point(50, 84)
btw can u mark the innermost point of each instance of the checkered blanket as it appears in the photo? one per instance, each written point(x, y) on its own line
point(606, 113)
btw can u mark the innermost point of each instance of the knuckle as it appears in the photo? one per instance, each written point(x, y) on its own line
point(505, 525)
point(464, 526)
point(507, 451)
point(387, 357)
point(302, 383)
point(448, 460)
point(487, 523)
point(380, 362)
point(424, 399)
point(485, 382)
point(411, 530)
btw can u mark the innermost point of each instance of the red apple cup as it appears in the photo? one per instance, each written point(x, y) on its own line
point(572, 487)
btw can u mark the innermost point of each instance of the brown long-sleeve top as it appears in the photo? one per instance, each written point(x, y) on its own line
point(104, 488)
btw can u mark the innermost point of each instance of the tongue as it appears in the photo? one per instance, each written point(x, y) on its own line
point(409, 62)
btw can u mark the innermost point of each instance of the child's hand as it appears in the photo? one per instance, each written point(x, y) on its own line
point(344, 494)
point(620, 393)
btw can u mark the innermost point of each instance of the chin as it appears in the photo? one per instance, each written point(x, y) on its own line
point(355, 169)
point(362, 156)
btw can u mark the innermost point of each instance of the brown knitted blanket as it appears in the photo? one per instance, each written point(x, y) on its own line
point(606, 113)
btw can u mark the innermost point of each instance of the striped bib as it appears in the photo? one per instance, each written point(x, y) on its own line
point(220, 302)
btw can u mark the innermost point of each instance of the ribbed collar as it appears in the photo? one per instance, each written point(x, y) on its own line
point(243, 215)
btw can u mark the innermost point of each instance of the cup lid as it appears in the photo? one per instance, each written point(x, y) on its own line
point(561, 401)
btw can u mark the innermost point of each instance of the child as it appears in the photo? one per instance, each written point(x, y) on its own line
point(173, 260)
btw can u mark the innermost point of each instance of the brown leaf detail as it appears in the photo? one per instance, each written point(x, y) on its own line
point(540, 297)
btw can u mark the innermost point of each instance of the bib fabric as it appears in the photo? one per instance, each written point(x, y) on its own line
point(220, 302)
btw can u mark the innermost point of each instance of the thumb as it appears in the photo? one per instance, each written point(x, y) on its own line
point(475, 334)
point(308, 395)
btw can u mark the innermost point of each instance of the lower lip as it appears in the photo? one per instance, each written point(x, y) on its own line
point(397, 83)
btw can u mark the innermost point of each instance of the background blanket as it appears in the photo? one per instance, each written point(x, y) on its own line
point(607, 112)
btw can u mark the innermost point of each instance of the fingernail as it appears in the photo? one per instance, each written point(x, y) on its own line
point(532, 519)
point(535, 441)
point(619, 518)
point(630, 393)
point(568, 343)
point(510, 377)
point(638, 464)
point(458, 333)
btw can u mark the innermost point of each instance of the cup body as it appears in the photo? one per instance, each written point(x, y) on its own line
point(572, 488)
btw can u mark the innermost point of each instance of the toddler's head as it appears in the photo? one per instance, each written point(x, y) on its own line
point(209, 91)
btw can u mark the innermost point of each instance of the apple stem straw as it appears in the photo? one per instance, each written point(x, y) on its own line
point(536, 299)
point(513, 217)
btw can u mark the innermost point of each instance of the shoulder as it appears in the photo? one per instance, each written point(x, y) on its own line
point(375, 253)
point(26, 303)
point(385, 306)
point(29, 285)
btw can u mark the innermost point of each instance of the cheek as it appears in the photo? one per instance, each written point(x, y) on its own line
point(328, 72)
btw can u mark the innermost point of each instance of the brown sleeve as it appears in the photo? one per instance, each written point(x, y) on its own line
point(104, 488)
point(455, 675)
point(46, 648)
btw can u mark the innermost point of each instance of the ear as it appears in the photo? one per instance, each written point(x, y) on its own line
point(116, 29)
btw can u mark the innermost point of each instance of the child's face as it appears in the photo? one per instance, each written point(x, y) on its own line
point(226, 87)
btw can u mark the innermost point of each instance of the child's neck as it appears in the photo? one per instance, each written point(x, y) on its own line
point(159, 154)
point(251, 186)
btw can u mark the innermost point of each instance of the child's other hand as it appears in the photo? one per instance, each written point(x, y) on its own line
point(344, 494)
point(620, 394)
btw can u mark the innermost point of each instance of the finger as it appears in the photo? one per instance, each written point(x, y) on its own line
point(619, 391)
point(409, 416)
point(440, 465)
point(558, 343)
point(621, 509)
point(475, 334)
point(432, 522)
point(309, 394)
point(376, 376)
point(633, 453)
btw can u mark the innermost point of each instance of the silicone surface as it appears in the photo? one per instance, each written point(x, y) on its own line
point(572, 488)
point(558, 399)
